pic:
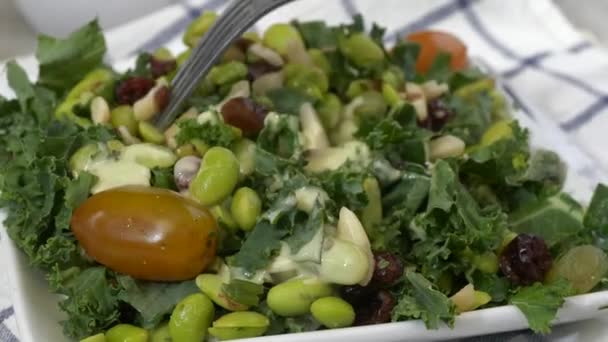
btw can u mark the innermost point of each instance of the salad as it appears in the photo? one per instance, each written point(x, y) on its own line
point(316, 179)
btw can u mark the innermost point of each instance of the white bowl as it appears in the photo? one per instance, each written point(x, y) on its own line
point(60, 17)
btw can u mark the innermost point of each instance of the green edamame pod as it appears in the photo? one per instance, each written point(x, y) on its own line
point(311, 81)
point(198, 28)
point(124, 116)
point(217, 176)
point(211, 285)
point(330, 111)
point(161, 334)
point(228, 73)
point(333, 312)
point(191, 318)
point(362, 50)
point(126, 333)
point(92, 84)
point(246, 208)
point(279, 37)
point(95, 338)
point(394, 76)
point(294, 297)
point(237, 325)
point(371, 215)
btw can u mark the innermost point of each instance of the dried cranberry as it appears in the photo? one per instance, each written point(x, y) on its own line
point(388, 269)
point(377, 310)
point(133, 89)
point(525, 260)
point(356, 294)
point(244, 113)
point(161, 67)
point(260, 68)
point(161, 97)
point(439, 113)
point(243, 44)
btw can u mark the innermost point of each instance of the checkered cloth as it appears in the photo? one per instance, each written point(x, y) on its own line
point(557, 76)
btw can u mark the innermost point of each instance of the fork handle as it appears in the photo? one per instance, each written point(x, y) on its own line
point(237, 18)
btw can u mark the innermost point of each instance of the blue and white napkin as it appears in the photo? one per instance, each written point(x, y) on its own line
point(556, 75)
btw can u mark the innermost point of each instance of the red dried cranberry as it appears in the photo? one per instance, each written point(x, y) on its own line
point(161, 97)
point(377, 310)
point(133, 89)
point(244, 113)
point(356, 294)
point(387, 271)
point(243, 44)
point(260, 68)
point(439, 113)
point(161, 67)
point(525, 260)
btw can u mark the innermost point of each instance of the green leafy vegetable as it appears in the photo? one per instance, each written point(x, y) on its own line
point(243, 292)
point(153, 301)
point(64, 62)
point(428, 304)
point(596, 217)
point(540, 302)
point(212, 133)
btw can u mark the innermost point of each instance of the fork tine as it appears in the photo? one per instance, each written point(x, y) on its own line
point(237, 18)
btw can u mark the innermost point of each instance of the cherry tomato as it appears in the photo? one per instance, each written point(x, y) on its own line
point(147, 233)
point(434, 42)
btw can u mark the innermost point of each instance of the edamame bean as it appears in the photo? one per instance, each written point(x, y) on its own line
point(279, 36)
point(126, 333)
point(228, 73)
point(200, 146)
point(294, 297)
point(358, 87)
point(371, 215)
point(246, 208)
point(150, 133)
point(95, 338)
point(199, 27)
point(333, 312)
point(498, 131)
point(223, 216)
point(217, 176)
point(191, 318)
point(211, 285)
point(124, 116)
point(244, 150)
point(391, 96)
point(82, 157)
point(237, 325)
point(149, 155)
point(344, 263)
point(161, 334)
point(373, 105)
point(362, 50)
point(329, 111)
point(163, 54)
point(486, 262)
point(319, 60)
point(311, 81)
point(186, 150)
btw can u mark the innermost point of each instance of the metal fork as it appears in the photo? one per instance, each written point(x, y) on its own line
point(235, 20)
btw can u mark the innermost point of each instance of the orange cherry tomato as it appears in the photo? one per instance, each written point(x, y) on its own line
point(147, 233)
point(434, 42)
